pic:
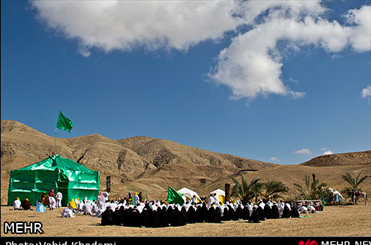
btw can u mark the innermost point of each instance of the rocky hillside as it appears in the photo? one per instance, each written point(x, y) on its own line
point(150, 164)
point(343, 159)
point(136, 159)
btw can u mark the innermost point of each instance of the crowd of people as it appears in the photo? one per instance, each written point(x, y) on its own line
point(141, 213)
point(134, 210)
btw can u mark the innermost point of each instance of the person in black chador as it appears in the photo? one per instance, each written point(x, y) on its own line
point(246, 213)
point(218, 214)
point(226, 216)
point(126, 216)
point(232, 213)
point(267, 211)
point(294, 213)
point(184, 214)
point(213, 215)
point(201, 213)
point(255, 215)
point(134, 217)
point(177, 219)
point(163, 216)
point(261, 213)
point(153, 219)
point(191, 214)
point(286, 212)
point(107, 217)
point(143, 217)
point(239, 212)
point(274, 212)
point(171, 214)
point(117, 216)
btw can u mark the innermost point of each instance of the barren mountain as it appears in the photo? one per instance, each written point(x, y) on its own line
point(343, 159)
point(150, 164)
point(129, 161)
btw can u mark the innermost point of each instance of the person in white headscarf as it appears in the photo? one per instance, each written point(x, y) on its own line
point(281, 207)
point(87, 208)
point(105, 194)
point(310, 208)
point(52, 202)
point(302, 209)
point(17, 204)
point(261, 204)
point(67, 213)
point(211, 201)
point(101, 201)
point(136, 199)
point(59, 197)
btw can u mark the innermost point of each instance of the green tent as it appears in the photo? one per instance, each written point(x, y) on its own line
point(55, 172)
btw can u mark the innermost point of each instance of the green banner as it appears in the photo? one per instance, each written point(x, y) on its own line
point(174, 197)
point(64, 123)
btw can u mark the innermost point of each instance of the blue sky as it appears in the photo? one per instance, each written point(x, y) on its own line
point(271, 81)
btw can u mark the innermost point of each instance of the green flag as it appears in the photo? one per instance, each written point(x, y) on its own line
point(323, 202)
point(64, 123)
point(174, 197)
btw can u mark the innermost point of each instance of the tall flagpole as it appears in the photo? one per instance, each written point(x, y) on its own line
point(55, 140)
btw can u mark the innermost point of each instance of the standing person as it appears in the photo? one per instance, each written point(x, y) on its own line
point(59, 197)
point(87, 208)
point(100, 201)
point(51, 202)
point(17, 204)
point(105, 194)
point(135, 199)
point(210, 201)
point(51, 193)
point(44, 199)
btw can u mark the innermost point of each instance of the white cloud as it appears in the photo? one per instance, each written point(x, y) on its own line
point(126, 25)
point(328, 152)
point(274, 159)
point(303, 151)
point(366, 92)
point(361, 33)
point(251, 66)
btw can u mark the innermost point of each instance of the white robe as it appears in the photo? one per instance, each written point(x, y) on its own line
point(59, 197)
point(136, 200)
point(311, 209)
point(67, 213)
point(87, 208)
point(302, 210)
point(17, 204)
point(52, 202)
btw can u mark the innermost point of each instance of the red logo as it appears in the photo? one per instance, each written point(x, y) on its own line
point(308, 242)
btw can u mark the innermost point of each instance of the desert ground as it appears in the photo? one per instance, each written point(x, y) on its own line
point(340, 220)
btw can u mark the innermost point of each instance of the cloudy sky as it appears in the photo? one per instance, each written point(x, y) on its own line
point(276, 81)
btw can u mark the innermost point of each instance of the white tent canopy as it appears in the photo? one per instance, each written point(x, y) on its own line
point(218, 192)
point(189, 193)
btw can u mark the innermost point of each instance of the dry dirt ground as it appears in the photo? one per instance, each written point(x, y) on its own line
point(344, 220)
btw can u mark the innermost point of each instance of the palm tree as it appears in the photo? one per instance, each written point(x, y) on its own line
point(246, 191)
point(354, 184)
point(271, 188)
point(313, 190)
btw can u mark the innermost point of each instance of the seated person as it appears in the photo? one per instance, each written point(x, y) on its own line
point(26, 205)
point(17, 204)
